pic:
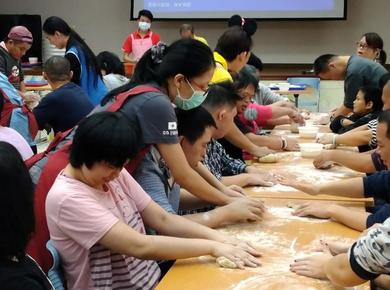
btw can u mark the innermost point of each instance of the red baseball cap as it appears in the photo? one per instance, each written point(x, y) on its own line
point(20, 33)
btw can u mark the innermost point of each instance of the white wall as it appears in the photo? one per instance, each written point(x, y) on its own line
point(105, 24)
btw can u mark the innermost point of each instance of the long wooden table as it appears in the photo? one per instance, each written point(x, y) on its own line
point(281, 237)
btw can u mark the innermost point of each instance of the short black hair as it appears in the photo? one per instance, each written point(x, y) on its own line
point(384, 117)
point(16, 204)
point(111, 63)
point(255, 61)
point(221, 94)
point(187, 27)
point(245, 78)
point(146, 13)
point(57, 68)
point(321, 63)
point(191, 124)
point(374, 95)
point(104, 136)
point(233, 42)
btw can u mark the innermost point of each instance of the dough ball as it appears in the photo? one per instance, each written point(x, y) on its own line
point(329, 147)
point(294, 128)
point(226, 263)
point(270, 158)
point(292, 205)
point(326, 165)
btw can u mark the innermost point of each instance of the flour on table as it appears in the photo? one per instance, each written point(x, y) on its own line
point(287, 213)
point(275, 188)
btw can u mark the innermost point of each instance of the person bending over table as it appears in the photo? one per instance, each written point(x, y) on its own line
point(195, 128)
point(355, 71)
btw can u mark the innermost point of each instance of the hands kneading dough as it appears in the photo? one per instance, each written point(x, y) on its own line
point(270, 158)
point(226, 263)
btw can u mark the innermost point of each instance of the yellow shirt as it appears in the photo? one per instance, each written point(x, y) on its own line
point(201, 39)
point(221, 73)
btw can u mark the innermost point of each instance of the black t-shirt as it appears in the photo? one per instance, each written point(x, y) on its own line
point(231, 150)
point(22, 275)
point(11, 68)
point(63, 108)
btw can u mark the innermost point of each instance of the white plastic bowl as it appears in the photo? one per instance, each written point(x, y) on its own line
point(310, 150)
point(284, 86)
point(308, 132)
point(32, 60)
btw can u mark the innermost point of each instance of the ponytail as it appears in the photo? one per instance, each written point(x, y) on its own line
point(189, 57)
point(54, 23)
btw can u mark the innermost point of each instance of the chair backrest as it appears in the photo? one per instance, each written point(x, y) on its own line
point(55, 273)
point(314, 101)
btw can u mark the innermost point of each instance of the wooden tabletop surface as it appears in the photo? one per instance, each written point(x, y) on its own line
point(281, 237)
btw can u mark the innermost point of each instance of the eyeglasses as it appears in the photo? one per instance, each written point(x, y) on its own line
point(362, 45)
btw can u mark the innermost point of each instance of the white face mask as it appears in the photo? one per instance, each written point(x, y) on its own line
point(144, 26)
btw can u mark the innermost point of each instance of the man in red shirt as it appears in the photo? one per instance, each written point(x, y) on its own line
point(138, 42)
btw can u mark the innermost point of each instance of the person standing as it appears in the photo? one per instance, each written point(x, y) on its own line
point(138, 42)
point(12, 49)
point(83, 63)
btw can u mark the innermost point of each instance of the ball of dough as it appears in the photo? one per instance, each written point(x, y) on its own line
point(270, 158)
point(329, 146)
point(226, 263)
point(326, 165)
point(294, 128)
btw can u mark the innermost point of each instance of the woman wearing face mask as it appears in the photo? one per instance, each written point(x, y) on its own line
point(181, 72)
point(371, 46)
point(83, 63)
point(138, 42)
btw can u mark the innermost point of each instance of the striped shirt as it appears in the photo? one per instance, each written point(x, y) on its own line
point(79, 216)
point(372, 126)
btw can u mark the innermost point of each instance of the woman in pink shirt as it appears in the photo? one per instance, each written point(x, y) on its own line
point(96, 213)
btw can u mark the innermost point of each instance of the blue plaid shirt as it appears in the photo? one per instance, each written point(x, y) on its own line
point(220, 163)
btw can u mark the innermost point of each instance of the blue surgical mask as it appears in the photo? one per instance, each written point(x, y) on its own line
point(144, 26)
point(194, 101)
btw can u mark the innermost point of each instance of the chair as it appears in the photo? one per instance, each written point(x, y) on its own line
point(313, 102)
point(55, 273)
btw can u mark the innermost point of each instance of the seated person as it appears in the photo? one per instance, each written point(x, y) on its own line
point(67, 104)
point(363, 136)
point(246, 89)
point(195, 128)
point(375, 185)
point(262, 116)
point(367, 259)
point(17, 269)
point(366, 107)
point(221, 103)
point(97, 213)
point(113, 71)
point(188, 31)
